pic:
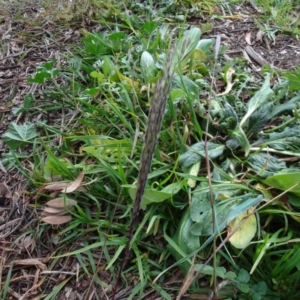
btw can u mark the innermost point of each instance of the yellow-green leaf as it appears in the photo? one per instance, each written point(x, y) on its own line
point(244, 231)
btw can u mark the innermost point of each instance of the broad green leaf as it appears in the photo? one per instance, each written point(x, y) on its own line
point(117, 41)
point(286, 106)
point(19, 135)
point(294, 199)
point(199, 57)
point(200, 206)
point(293, 80)
point(243, 276)
point(232, 144)
point(147, 65)
point(243, 287)
point(225, 211)
point(149, 26)
point(261, 288)
point(185, 240)
point(28, 103)
point(95, 44)
point(93, 91)
point(286, 182)
point(259, 118)
point(259, 98)
point(108, 67)
point(244, 232)
point(173, 188)
point(186, 45)
point(230, 275)
point(288, 139)
point(229, 117)
point(265, 164)
point(207, 27)
point(191, 90)
point(44, 72)
point(205, 45)
point(197, 152)
point(209, 270)
point(150, 196)
point(292, 132)
point(98, 75)
point(108, 149)
point(177, 95)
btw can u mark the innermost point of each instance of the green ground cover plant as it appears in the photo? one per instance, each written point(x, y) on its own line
point(222, 200)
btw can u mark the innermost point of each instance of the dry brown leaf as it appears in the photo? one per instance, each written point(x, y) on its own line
point(66, 187)
point(27, 243)
point(57, 220)
point(53, 210)
point(61, 202)
point(248, 38)
point(4, 190)
point(30, 262)
point(57, 186)
point(75, 184)
point(259, 36)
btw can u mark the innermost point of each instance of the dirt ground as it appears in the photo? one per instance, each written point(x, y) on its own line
point(29, 38)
